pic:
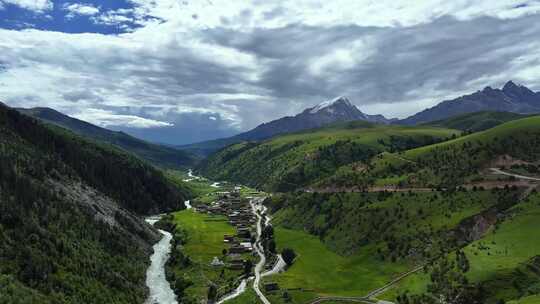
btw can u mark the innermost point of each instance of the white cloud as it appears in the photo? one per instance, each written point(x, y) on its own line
point(274, 58)
point(131, 70)
point(75, 9)
point(38, 6)
point(115, 17)
point(343, 57)
point(249, 14)
point(106, 119)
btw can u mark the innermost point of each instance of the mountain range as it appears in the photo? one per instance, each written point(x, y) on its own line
point(339, 109)
point(156, 154)
point(511, 98)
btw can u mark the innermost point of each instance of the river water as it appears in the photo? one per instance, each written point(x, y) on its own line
point(160, 289)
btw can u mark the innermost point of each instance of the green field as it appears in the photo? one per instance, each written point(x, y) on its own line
point(513, 243)
point(527, 300)
point(204, 242)
point(517, 128)
point(205, 234)
point(248, 297)
point(322, 272)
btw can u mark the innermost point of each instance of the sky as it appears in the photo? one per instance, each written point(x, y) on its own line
point(181, 71)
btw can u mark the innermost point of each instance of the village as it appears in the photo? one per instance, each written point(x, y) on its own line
point(240, 215)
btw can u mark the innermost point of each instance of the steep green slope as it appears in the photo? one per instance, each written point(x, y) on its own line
point(135, 184)
point(65, 233)
point(450, 163)
point(478, 121)
point(293, 161)
point(509, 253)
point(504, 264)
point(157, 154)
point(394, 222)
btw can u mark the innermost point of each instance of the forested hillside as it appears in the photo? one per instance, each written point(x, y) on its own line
point(394, 226)
point(135, 184)
point(371, 238)
point(293, 161)
point(67, 234)
point(457, 214)
point(448, 164)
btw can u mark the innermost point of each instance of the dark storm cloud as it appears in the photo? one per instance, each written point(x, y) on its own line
point(445, 55)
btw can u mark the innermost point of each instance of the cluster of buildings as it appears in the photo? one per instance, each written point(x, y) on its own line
point(240, 216)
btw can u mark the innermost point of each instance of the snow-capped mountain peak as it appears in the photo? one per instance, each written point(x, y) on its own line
point(327, 104)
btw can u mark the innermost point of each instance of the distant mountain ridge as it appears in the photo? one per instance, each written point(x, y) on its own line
point(154, 153)
point(511, 98)
point(477, 121)
point(339, 109)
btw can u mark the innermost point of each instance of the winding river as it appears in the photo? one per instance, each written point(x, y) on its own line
point(160, 289)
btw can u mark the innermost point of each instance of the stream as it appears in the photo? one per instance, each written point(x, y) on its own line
point(160, 289)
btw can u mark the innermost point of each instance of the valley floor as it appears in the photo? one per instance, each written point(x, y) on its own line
point(320, 272)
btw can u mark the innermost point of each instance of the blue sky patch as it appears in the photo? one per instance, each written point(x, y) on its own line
point(61, 19)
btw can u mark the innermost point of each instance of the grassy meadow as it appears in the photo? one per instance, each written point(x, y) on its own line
point(527, 300)
point(501, 261)
point(321, 272)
